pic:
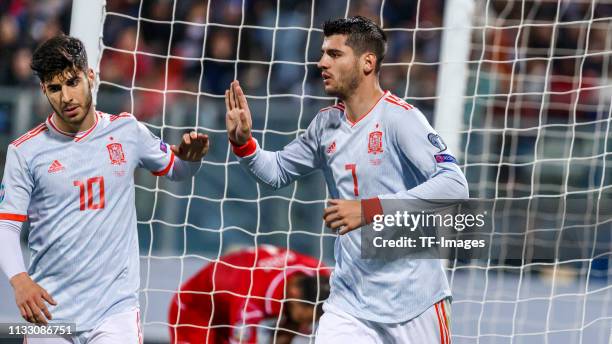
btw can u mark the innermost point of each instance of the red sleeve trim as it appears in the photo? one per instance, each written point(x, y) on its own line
point(371, 207)
point(393, 99)
point(13, 217)
point(246, 149)
point(167, 169)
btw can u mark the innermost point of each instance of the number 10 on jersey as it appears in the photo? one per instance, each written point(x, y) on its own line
point(88, 192)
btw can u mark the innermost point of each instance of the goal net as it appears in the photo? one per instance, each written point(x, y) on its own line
point(531, 120)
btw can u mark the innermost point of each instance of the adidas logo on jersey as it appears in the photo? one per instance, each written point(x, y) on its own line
point(332, 148)
point(55, 167)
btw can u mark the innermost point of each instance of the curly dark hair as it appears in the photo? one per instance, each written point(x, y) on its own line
point(363, 35)
point(56, 55)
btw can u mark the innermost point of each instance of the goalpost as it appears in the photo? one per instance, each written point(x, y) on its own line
point(520, 90)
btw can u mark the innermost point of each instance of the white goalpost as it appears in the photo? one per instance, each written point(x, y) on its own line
point(88, 28)
point(453, 73)
point(521, 91)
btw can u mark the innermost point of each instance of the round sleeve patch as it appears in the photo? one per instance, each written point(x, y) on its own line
point(437, 142)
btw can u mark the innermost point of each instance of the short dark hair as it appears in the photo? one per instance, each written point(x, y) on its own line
point(363, 35)
point(57, 54)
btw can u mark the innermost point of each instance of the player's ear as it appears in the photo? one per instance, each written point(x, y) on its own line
point(369, 62)
point(91, 75)
point(43, 88)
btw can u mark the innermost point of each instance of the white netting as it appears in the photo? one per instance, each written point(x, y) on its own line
point(536, 124)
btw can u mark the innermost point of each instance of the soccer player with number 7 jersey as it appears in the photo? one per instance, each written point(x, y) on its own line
point(372, 147)
point(72, 178)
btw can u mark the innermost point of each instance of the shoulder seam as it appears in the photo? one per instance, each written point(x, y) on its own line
point(113, 118)
point(338, 106)
point(398, 102)
point(30, 134)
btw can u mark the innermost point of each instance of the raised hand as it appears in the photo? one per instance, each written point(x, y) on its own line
point(30, 298)
point(238, 117)
point(193, 147)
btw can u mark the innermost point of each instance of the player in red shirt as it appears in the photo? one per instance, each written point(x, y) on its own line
point(226, 300)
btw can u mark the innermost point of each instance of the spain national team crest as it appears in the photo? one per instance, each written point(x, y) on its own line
point(115, 152)
point(375, 143)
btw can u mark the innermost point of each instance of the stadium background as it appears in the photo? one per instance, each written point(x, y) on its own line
point(179, 232)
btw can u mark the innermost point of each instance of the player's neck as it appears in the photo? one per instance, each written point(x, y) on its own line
point(88, 122)
point(361, 102)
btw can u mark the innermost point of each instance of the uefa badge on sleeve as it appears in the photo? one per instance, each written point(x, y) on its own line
point(437, 142)
point(2, 192)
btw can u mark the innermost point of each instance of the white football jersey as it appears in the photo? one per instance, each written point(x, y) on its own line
point(390, 153)
point(77, 192)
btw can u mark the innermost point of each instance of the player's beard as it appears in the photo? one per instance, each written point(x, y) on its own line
point(88, 99)
point(86, 108)
point(347, 83)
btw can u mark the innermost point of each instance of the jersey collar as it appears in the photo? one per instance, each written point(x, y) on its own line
point(352, 124)
point(76, 137)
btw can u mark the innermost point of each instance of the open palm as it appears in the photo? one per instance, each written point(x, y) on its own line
point(238, 117)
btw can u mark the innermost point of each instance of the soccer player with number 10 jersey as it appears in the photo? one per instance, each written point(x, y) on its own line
point(72, 178)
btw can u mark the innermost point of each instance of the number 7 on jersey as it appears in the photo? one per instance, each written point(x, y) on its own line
point(353, 169)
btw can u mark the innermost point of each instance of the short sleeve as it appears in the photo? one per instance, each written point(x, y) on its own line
point(423, 146)
point(16, 188)
point(154, 154)
point(278, 169)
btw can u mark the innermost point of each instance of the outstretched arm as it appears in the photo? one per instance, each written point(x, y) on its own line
point(176, 162)
point(276, 169)
point(189, 154)
point(193, 147)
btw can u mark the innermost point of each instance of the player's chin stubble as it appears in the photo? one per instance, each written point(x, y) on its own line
point(86, 108)
point(347, 84)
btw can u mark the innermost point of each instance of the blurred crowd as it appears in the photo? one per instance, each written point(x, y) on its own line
point(531, 62)
point(176, 29)
point(203, 58)
point(558, 48)
point(23, 25)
